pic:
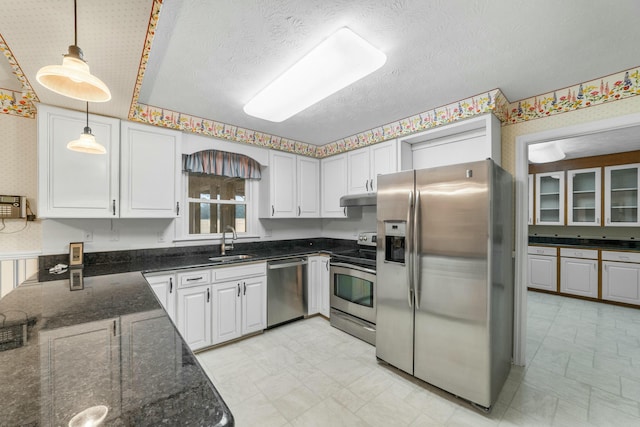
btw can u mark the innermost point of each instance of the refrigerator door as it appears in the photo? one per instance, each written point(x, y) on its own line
point(394, 296)
point(451, 317)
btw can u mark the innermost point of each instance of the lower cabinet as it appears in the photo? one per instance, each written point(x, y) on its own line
point(164, 286)
point(210, 314)
point(621, 277)
point(318, 280)
point(542, 271)
point(579, 272)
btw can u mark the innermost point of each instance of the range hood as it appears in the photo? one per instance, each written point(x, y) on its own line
point(367, 199)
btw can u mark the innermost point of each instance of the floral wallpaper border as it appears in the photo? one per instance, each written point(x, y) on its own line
point(22, 104)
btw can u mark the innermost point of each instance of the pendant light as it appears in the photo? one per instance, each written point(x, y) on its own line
point(86, 143)
point(73, 78)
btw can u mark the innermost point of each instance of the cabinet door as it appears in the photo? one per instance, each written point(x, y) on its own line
point(358, 171)
point(334, 186)
point(314, 267)
point(325, 289)
point(550, 198)
point(579, 277)
point(621, 195)
point(80, 366)
point(383, 159)
point(164, 286)
point(583, 197)
point(227, 312)
point(282, 183)
point(254, 304)
point(308, 173)
point(194, 316)
point(73, 184)
point(530, 194)
point(543, 272)
point(150, 171)
point(621, 282)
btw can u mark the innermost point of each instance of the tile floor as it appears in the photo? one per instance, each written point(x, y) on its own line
point(583, 369)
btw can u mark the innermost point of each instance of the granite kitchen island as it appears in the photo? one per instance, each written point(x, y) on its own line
point(104, 346)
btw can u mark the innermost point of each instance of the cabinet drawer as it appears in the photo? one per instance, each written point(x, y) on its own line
point(621, 256)
point(579, 253)
point(224, 274)
point(542, 250)
point(194, 277)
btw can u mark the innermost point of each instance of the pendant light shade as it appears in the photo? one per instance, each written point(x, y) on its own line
point(86, 143)
point(73, 78)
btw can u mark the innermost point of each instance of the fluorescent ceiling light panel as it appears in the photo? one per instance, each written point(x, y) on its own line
point(545, 153)
point(334, 64)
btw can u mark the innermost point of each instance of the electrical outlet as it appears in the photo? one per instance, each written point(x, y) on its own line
point(88, 236)
point(160, 237)
point(114, 236)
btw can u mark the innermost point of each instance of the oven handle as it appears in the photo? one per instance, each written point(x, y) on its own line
point(353, 267)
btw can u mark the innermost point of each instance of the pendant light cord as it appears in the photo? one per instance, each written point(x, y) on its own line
point(75, 23)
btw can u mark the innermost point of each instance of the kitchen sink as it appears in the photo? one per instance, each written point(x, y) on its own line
point(227, 258)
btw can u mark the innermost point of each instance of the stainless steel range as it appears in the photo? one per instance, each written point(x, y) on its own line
point(353, 289)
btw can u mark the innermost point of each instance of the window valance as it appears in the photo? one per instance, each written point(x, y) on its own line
point(214, 162)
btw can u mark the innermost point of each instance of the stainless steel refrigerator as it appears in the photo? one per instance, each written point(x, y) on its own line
point(445, 277)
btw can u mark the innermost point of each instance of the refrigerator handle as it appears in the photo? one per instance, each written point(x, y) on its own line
point(409, 257)
point(415, 262)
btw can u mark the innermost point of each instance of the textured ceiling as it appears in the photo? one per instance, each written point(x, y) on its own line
point(209, 58)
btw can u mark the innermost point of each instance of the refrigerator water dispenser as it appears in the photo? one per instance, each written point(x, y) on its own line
point(394, 241)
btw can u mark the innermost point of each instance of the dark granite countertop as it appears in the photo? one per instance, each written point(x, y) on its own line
point(624, 245)
point(109, 344)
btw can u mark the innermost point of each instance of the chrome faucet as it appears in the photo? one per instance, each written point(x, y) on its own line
point(224, 247)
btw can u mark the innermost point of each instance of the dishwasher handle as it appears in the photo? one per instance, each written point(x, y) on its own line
point(286, 263)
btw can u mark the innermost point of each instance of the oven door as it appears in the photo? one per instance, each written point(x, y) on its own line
point(353, 291)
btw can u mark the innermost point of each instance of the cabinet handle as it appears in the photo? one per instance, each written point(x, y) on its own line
point(238, 289)
point(245, 288)
point(177, 208)
point(371, 185)
point(113, 206)
point(114, 328)
point(326, 263)
point(208, 295)
point(366, 184)
point(190, 279)
point(344, 211)
point(273, 210)
point(170, 284)
point(299, 210)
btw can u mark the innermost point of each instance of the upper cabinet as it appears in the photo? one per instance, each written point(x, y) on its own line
point(73, 184)
point(583, 197)
point(550, 198)
point(150, 171)
point(293, 186)
point(365, 164)
point(138, 177)
point(621, 195)
point(333, 186)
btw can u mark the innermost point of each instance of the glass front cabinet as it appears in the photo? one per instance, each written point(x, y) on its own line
point(621, 184)
point(550, 198)
point(584, 197)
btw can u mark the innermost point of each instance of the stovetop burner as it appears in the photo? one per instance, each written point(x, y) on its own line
point(365, 255)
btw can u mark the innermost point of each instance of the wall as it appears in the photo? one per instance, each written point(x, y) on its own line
point(19, 177)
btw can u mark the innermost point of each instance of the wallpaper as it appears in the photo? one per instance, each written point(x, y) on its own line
point(12, 102)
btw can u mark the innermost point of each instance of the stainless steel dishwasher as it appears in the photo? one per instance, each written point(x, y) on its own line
point(286, 290)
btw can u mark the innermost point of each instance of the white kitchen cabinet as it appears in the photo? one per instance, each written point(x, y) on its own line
point(194, 316)
point(584, 197)
point(150, 171)
point(531, 197)
point(227, 312)
point(254, 304)
point(365, 164)
point(542, 271)
point(621, 184)
point(318, 280)
point(579, 272)
point(293, 186)
point(333, 186)
point(621, 277)
point(550, 198)
point(73, 184)
point(164, 286)
point(308, 180)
